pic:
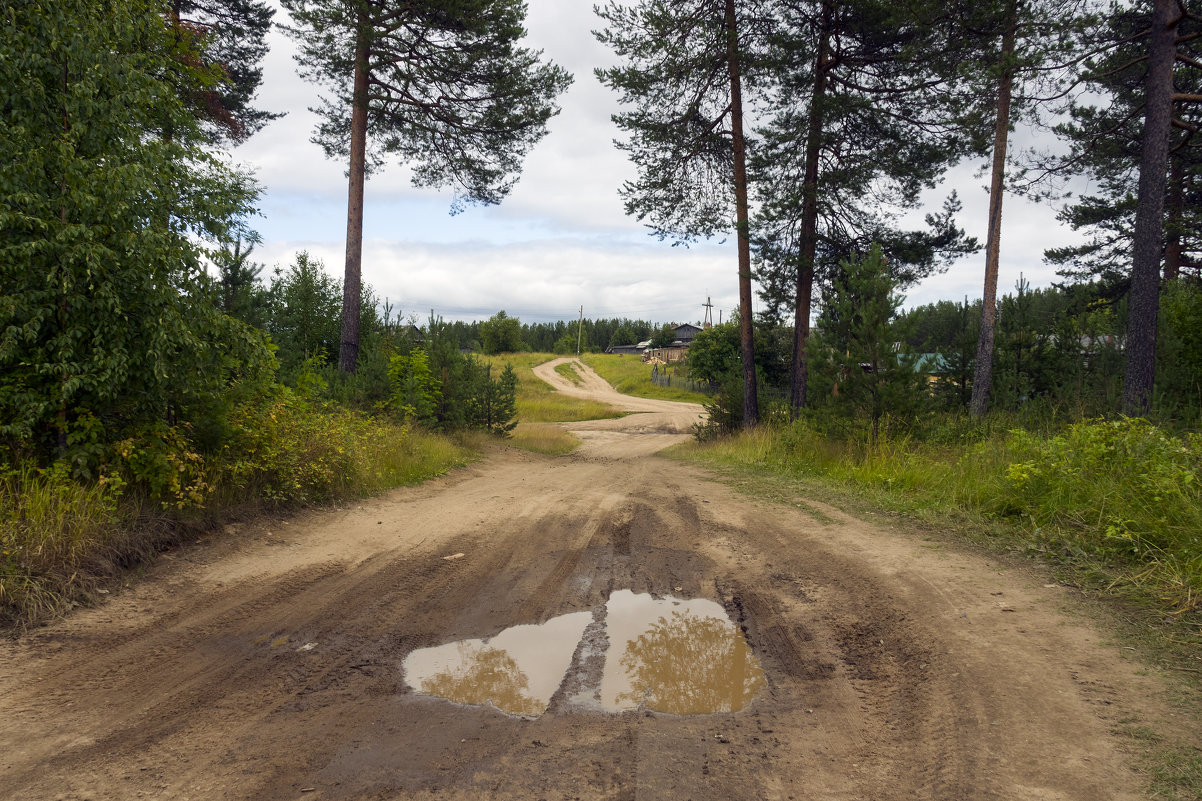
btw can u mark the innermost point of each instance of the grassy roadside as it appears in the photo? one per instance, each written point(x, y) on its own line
point(1112, 507)
point(630, 376)
point(539, 405)
point(545, 438)
point(1119, 502)
point(61, 540)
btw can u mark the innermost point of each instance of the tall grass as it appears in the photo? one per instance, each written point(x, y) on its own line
point(544, 438)
point(1118, 499)
point(56, 536)
point(60, 538)
point(293, 451)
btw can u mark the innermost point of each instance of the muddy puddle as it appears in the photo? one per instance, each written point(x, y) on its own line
point(683, 657)
point(671, 655)
point(517, 671)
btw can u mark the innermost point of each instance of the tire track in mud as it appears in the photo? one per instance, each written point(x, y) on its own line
point(223, 668)
point(857, 665)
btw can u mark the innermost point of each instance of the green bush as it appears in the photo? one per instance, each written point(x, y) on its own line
point(415, 392)
point(292, 451)
point(1121, 486)
point(59, 535)
point(723, 412)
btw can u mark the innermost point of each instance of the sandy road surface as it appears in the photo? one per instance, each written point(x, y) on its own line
point(268, 665)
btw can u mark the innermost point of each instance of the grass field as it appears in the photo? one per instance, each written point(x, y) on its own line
point(537, 402)
point(630, 376)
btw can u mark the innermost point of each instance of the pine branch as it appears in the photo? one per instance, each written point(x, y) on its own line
point(1184, 59)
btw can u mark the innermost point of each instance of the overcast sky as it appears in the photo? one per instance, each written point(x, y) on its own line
point(561, 239)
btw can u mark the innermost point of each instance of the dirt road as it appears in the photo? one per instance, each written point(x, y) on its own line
point(268, 665)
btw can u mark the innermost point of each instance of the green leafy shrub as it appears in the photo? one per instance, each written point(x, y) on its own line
point(107, 226)
point(1119, 499)
point(292, 451)
point(163, 463)
point(1121, 486)
point(415, 391)
point(60, 534)
point(501, 334)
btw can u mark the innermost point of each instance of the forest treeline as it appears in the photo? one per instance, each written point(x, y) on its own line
point(861, 106)
point(1058, 358)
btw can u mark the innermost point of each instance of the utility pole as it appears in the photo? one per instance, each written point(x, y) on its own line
point(579, 331)
point(709, 313)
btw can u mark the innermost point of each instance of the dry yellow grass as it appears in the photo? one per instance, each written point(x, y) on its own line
point(544, 438)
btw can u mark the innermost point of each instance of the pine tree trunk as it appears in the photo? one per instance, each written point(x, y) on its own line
point(808, 245)
point(1144, 300)
point(1176, 215)
point(348, 353)
point(751, 407)
point(982, 381)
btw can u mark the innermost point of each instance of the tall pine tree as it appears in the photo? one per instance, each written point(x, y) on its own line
point(861, 121)
point(229, 37)
point(1144, 134)
point(443, 87)
point(1106, 140)
point(683, 79)
point(1020, 52)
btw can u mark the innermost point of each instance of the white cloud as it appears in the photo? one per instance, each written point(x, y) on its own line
point(536, 280)
point(561, 239)
point(1028, 228)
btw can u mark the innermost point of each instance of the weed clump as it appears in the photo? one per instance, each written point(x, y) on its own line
point(61, 535)
point(1118, 498)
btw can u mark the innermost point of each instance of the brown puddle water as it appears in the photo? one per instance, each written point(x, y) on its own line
point(682, 657)
point(517, 671)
